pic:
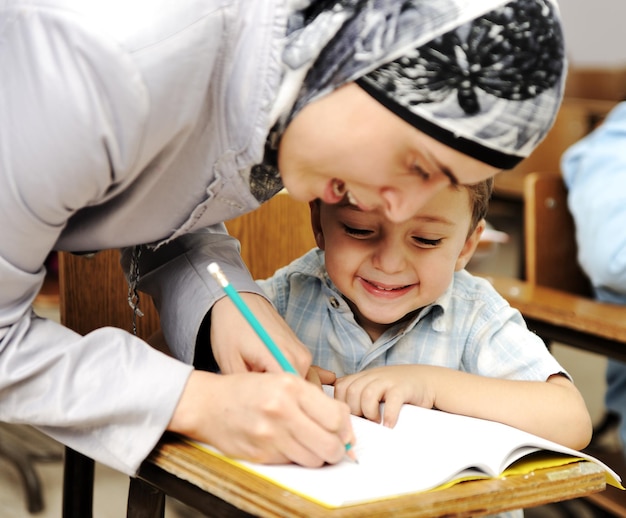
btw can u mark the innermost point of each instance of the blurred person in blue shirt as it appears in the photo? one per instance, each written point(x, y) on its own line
point(594, 170)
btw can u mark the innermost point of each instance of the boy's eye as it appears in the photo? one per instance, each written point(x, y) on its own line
point(357, 232)
point(427, 242)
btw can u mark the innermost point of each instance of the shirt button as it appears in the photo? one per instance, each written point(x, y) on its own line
point(334, 302)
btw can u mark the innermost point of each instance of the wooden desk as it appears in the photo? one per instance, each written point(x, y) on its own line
point(571, 319)
point(218, 488)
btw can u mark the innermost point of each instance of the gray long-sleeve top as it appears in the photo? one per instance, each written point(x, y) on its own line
point(114, 132)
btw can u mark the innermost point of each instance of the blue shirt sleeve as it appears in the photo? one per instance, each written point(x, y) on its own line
point(594, 170)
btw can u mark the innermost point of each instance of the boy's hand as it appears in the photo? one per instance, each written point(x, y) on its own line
point(319, 376)
point(394, 385)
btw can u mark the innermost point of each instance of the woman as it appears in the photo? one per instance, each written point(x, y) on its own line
point(144, 125)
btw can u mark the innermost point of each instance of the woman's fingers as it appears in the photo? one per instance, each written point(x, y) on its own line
point(269, 418)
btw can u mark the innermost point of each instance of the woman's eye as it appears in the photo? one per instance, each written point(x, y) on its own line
point(427, 242)
point(421, 172)
point(357, 232)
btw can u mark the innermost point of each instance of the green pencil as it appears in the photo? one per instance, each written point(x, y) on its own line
point(219, 276)
point(217, 273)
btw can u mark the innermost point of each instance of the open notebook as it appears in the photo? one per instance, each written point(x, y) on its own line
point(427, 449)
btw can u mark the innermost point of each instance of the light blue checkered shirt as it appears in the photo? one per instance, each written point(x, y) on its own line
point(469, 328)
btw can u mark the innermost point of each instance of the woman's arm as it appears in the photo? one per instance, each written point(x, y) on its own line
point(176, 277)
point(67, 139)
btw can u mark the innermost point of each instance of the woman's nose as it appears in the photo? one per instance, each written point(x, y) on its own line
point(401, 205)
point(399, 213)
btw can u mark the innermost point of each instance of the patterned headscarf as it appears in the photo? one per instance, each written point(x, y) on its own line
point(490, 88)
point(485, 77)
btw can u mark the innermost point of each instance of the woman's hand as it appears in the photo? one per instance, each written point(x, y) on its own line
point(268, 418)
point(236, 346)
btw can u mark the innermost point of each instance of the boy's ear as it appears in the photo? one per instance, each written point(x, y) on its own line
point(316, 223)
point(471, 243)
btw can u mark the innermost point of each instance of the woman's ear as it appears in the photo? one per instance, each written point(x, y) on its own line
point(471, 243)
point(316, 223)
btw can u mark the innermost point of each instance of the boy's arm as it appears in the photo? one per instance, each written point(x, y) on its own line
point(553, 409)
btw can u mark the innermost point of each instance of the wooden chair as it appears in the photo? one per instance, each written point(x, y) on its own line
point(273, 235)
point(93, 294)
point(603, 83)
point(549, 236)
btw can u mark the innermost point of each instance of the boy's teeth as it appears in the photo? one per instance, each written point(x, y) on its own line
point(383, 288)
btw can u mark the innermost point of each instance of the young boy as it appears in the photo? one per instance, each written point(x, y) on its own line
point(390, 310)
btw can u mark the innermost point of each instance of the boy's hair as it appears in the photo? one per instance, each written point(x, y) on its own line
point(479, 194)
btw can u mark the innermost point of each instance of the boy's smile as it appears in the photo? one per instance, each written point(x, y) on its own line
point(388, 292)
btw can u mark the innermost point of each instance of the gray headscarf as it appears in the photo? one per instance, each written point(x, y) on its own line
point(485, 77)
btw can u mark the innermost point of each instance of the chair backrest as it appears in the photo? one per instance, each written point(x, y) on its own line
point(93, 293)
point(549, 236)
point(603, 83)
point(273, 235)
point(93, 290)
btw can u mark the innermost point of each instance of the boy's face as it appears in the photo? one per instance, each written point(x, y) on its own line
point(386, 270)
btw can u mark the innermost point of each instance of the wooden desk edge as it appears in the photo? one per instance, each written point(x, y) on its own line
point(571, 319)
point(256, 496)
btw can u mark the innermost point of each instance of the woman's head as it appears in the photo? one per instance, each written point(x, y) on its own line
point(355, 144)
point(473, 98)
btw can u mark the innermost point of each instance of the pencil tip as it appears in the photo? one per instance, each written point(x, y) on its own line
point(350, 453)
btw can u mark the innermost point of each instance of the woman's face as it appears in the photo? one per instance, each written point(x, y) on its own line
point(348, 141)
